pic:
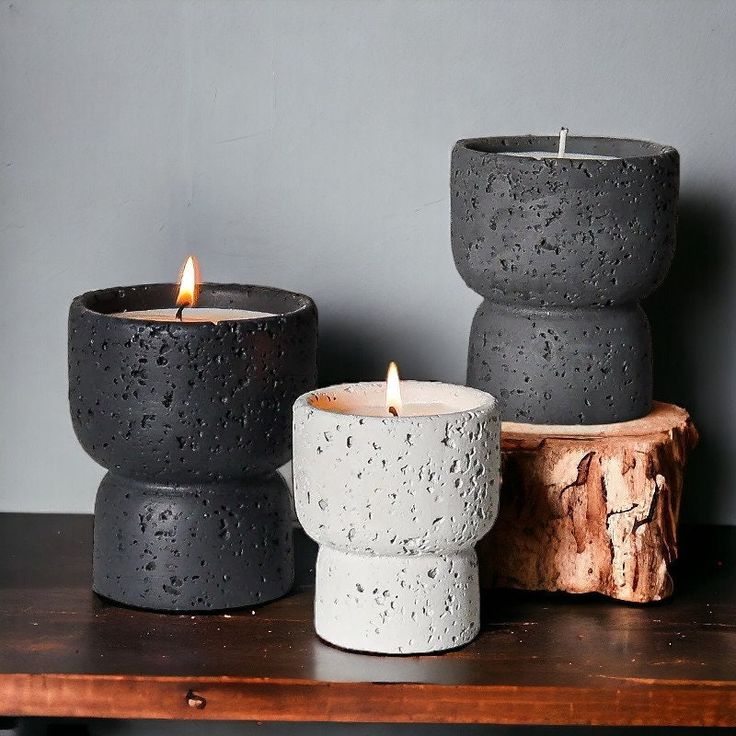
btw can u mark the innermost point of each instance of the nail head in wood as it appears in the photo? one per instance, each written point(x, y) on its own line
point(195, 701)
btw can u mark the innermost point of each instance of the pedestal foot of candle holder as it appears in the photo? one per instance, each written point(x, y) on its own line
point(193, 548)
point(590, 508)
point(563, 365)
point(409, 604)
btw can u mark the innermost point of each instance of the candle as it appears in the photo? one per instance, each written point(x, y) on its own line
point(389, 402)
point(192, 422)
point(396, 500)
point(187, 298)
point(214, 315)
point(562, 153)
point(562, 251)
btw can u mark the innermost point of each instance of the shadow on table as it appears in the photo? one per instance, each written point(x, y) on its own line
point(72, 727)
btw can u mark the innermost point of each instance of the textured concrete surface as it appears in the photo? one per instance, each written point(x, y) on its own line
point(555, 233)
point(563, 366)
point(184, 401)
point(397, 505)
point(198, 547)
point(563, 250)
point(397, 605)
point(192, 420)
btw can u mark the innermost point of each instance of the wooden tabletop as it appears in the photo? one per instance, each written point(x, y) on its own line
point(541, 659)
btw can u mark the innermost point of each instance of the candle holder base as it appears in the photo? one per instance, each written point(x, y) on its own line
point(203, 547)
point(409, 604)
point(563, 365)
point(590, 509)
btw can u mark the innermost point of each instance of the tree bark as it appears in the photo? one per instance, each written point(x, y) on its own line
point(590, 508)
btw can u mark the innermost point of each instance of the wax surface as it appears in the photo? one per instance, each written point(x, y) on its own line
point(552, 154)
point(418, 399)
point(407, 410)
point(192, 314)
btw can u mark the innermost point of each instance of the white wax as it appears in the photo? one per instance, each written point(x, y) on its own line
point(192, 314)
point(418, 399)
point(407, 410)
point(539, 155)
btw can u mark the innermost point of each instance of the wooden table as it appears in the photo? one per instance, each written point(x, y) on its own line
point(541, 659)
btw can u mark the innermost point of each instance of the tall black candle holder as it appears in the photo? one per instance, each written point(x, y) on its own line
point(562, 250)
point(191, 421)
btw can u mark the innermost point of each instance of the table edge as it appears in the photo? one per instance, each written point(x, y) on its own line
point(626, 703)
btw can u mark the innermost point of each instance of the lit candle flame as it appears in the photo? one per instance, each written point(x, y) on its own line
point(393, 390)
point(188, 283)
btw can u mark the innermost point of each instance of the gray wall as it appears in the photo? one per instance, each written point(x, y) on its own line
point(306, 145)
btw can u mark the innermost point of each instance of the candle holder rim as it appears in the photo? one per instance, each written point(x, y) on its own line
point(520, 143)
point(488, 403)
point(81, 303)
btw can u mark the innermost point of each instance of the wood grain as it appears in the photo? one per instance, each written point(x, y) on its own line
point(541, 659)
point(590, 508)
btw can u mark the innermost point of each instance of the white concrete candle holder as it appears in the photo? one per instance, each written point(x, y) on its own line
point(397, 504)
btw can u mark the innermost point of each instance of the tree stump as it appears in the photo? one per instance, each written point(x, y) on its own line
point(590, 508)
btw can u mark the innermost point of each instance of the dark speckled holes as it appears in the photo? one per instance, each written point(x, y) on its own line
point(571, 378)
point(190, 417)
point(602, 238)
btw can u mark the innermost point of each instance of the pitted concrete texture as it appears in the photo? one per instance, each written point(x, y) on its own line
point(561, 232)
point(554, 245)
point(202, 547)
point(406, 497)
point(397, 605)
point(563, 366)
point(187, 417)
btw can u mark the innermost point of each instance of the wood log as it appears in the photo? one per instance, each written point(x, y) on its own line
point(590, 508)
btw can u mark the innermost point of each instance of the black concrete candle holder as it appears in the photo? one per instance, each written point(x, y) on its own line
point(191, 420)
point(562, 250)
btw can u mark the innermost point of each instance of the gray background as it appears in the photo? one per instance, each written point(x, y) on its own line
point(306, 145)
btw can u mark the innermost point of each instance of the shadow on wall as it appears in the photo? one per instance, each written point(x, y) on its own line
point(689, 302)
point(347, 354)
point(351, 352)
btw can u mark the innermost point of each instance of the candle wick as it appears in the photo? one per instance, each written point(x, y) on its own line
point(392, 411)
point(180, 312)
point(563, 141)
